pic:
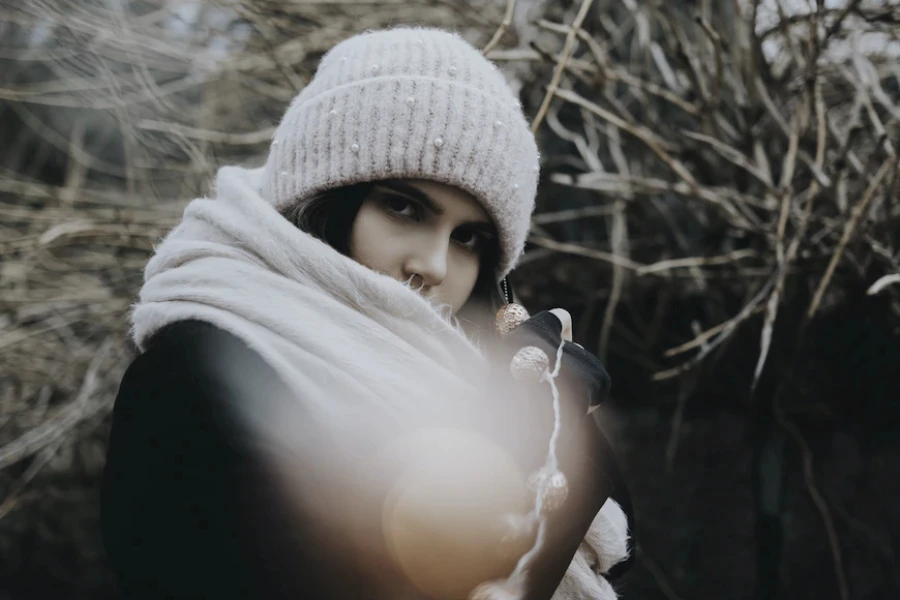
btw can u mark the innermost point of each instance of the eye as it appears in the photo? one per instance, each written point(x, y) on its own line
point(472, 240)
point(401, 207)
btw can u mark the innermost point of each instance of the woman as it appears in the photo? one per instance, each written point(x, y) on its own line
point(323, 406)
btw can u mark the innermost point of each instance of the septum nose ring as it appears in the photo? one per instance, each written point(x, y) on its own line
point(412, 280)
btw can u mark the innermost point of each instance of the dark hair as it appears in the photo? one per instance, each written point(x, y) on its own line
point(329, 216)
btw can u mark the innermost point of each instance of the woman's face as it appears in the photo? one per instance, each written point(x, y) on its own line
point(416, 227)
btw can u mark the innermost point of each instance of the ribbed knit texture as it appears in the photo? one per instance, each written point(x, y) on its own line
point(410, 103)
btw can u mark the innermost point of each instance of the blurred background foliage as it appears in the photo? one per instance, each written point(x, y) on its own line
point(718, 210)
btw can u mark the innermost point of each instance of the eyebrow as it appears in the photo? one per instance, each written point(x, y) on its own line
point(429, 203)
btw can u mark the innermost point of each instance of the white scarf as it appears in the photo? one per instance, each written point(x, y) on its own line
point(362, 349)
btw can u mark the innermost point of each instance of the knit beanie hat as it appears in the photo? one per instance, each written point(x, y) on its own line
point(412, 103)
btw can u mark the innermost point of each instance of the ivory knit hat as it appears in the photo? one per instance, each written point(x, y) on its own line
point(410, 103)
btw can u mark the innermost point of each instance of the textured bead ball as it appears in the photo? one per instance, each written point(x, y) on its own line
point(529, 364)
point(509, 317)
point(554, 488)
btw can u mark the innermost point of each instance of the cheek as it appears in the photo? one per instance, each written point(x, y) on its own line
point(370, 241)
point(464, 275)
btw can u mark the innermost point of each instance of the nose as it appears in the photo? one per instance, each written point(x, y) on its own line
point(429, 261)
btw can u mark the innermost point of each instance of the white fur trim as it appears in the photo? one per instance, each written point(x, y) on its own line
point(605, 545)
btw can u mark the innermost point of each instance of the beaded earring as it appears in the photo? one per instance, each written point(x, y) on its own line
point(530, 363)
point(510, 315)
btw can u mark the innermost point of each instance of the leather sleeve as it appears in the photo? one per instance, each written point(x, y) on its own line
point(168, 500)
point(189, 507)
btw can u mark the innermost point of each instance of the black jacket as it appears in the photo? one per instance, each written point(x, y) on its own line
point(187, 511)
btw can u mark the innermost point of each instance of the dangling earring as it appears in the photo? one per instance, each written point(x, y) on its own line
point(530, 363)
point(511, 315)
